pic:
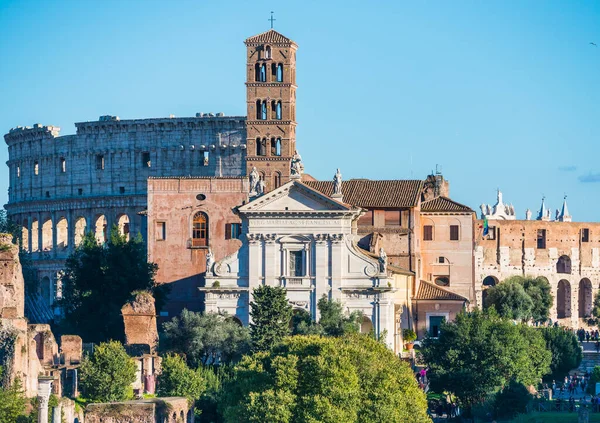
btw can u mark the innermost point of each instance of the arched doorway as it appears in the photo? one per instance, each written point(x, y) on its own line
point(585, 298)
point(80, 226)
point(489, 281)
point(563, 299)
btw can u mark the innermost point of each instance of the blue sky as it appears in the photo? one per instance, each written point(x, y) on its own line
point(499, 94)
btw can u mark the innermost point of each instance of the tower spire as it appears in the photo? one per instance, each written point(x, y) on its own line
point(564, 215)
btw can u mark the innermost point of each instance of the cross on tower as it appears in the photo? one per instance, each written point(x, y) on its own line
point(272, 19)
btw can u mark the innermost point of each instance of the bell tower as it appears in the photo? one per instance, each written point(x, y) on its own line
point(271, 106)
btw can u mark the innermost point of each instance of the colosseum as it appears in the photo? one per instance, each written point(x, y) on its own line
point(64, 186)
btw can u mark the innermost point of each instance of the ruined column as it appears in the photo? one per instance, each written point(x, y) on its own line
point(43, 395)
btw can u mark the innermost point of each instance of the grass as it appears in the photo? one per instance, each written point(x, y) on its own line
point(551, 417)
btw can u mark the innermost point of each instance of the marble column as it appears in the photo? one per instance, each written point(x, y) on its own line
point(321, 260)
point(43, 395)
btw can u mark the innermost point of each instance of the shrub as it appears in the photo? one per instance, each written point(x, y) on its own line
point(409, 335)
point(512, 400)
point(178, 380)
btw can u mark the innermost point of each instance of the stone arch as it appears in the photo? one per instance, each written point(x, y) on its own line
point(366, 326)
point(490, 281)
point(123, 225)
point(80, 226)
point(563, 265)
point(47, 234)
point(182, 416)
point(563, 299)
point(35, 228)
point(101, 229)
point(25, 234)
point(585, 298)
point(62, 233)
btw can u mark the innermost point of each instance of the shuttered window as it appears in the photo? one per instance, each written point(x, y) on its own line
point(454, 233)
point(427, 233)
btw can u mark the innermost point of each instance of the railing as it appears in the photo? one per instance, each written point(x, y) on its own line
point(197, 243)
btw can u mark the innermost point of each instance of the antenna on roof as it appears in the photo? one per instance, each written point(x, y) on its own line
point(272, 19)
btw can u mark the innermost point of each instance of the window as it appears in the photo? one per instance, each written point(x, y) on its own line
point(275, 146)
point(257, 72)
point(278, 111)
point(428, 233)
point(263, 110)
point(204, 158)
point(563, 265)
point(276, 180)
point(366, 219)
point(541, 239)
point(79, 191)
point(18, 171)
point(441, 260)
point(585, 235)
point(280, 73)
point(36, 168)
point(99, 162)
point(121, 190)
point(47, 194)
point(258, 109)
point(63, 165)
point(268, 52)
point(146, 162)
point(233, 230)
point(491, 232)
point(200, 230)
point(442, 281)
point(392, 218)
point(160, 233)
point(453, 232)
point(434, 325)
point(261, 147)
point(295, 263)
point(263, 73)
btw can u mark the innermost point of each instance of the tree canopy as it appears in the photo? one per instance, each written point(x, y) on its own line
point(99, 279)
point(205, 338)
point(12, 401)
point(510, 300)
point(271, 314)
point(333, 321)
point(178, 380)
point(480, 352)
point(108, 374)
point(566, 353)
point(325, 379)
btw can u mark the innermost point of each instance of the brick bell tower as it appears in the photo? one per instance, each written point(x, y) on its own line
point(271, 103)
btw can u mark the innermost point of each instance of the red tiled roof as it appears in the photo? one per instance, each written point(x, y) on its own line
point(271, 36)
point(444, 204)
point(367, 193)
point(430, 291)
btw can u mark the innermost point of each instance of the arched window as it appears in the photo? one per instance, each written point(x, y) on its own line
point(268, 52)
point(200, 230)
point(275, 146)
point(276, 180)
point(278, 112)
point(273, 109)
point(280, 73)
point(273, 71)
point(263, 73)
point(257, 72)
point(261, 147)
point(563, 265)
point(258, 109)
point(263, 110)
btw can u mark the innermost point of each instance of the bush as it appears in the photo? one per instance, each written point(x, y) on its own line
point(108, 374)
point(409, 335)
point(178, 380)
point(566, 353)
point(512, 400)
point(12, 402)
point(594, 378)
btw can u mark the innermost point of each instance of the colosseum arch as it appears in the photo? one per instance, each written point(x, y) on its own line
point(47, 235)
point(80, 225)
point(123, 224)
point(101, 229)
point(35, 239)
point(62, 233)
point(585, 298)
point(563, 299)
point(25, 234)
point(563, 265)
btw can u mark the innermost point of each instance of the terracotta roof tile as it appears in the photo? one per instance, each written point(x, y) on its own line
point(444, 204)
point(271, 36)
point(367, 193)
point(430, 291)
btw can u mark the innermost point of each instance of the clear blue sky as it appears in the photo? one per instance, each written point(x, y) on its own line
point(500, 94)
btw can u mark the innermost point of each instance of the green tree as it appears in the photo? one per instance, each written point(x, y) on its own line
point(7, 226)
point(324, 379)
point(480, 352)
point(510, 300)
point(178, 380)
point(97, 282)
point(511, 400)
point(594, 378)
point(540, 292)
point(108, 374)
point(596, 307)
point(205, 338)
point(566, 353)
point(333, 320)
point(271, 315)
point(12, 401)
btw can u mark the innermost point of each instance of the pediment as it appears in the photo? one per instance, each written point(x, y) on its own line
point(293, 197)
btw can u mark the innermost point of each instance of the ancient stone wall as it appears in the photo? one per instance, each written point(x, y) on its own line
point(139, 318)
point(152, 410)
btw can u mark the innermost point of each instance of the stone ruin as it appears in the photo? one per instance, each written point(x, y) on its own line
point(150, 410)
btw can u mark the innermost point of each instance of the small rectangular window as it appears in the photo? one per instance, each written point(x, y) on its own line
point(160, 233)
point(541, 239)
point(18, 171)
point(233, 230)
point(427, 233)
point(585, 235)
point(99, 162)
point(491, 232)
point(47, 194)
point(441, 260)
point(392, 218)
point(36, 168)
point(453, 232)
point(146, 162)
point(366, 219)
point(80, 191)
point(63, 165)
point(121, 190)
point(204, 159)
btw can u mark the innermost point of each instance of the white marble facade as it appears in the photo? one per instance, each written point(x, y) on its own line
point(298, 238)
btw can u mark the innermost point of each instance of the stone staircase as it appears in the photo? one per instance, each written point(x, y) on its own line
point(589, 361)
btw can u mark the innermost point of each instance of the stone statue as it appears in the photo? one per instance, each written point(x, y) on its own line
point(499, 197)
point(483, 208)
point(260, 187)
point(489, 209)
point(210, 260)
point(297, 167)
point(253, 179)
point(557, 215)
point(527, 214)
point(383, 261)
point(337, 183)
